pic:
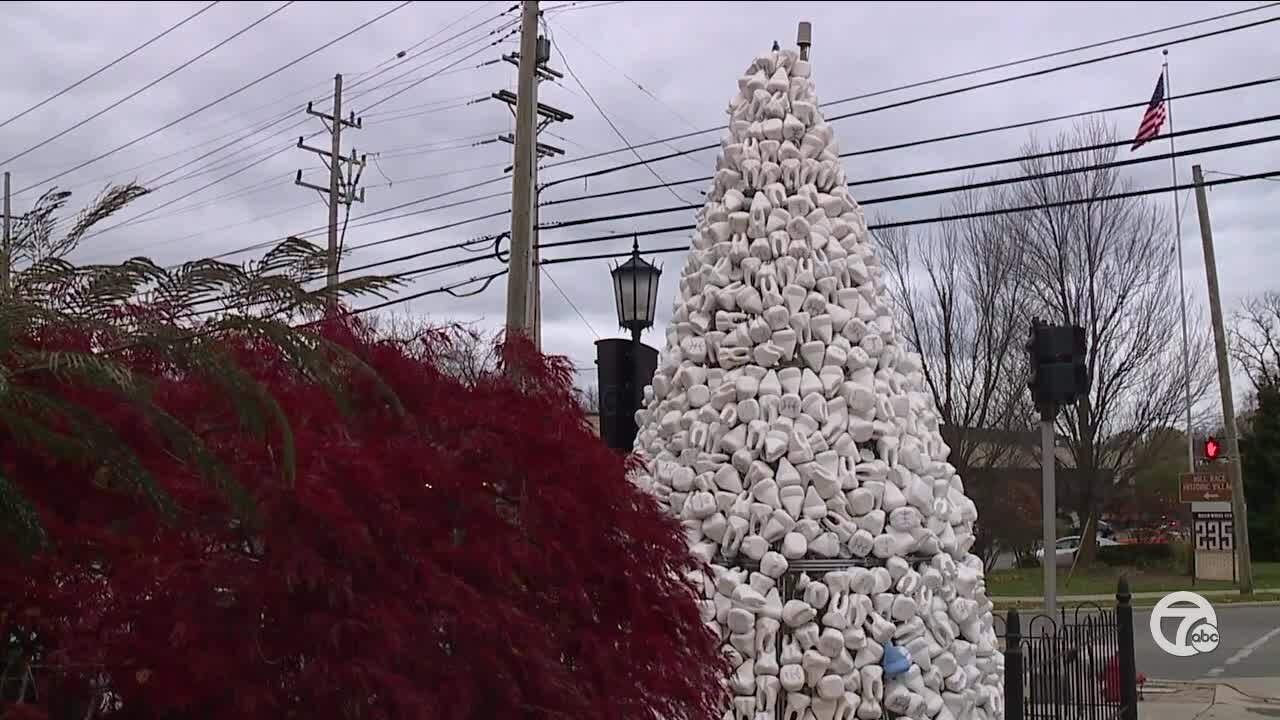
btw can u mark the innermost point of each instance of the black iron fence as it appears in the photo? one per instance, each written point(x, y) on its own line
point(1075, 665)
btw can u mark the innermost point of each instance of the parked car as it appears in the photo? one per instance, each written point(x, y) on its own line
point(1066, 549)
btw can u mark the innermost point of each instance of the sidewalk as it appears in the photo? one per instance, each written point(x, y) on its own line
point(1237, 699)
point(1266, 596)
point(1136, 596)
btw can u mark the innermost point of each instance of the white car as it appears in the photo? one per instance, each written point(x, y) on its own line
point(1066, 549)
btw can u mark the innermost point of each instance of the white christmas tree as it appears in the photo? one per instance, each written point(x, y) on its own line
point(790, 431)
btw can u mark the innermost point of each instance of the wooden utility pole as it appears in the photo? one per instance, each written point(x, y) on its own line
point(523, 172)
point(341, 190)
point(4, 269)
point(524, 278)
point(1239, 511)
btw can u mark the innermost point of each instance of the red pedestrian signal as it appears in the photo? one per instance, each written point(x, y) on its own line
point(1211, 449)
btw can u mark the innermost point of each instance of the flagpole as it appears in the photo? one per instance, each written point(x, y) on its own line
point(1182, 292)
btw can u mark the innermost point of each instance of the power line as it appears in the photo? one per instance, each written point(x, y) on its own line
point(609, 120)
point(369, 217)
point(565, 295)
point(1175, 41)
point(148, 86)
point(1058, 53)
point(111, 64)
point(437, 46)
point(401, 55)
point(228, 95)
point(685, 248)
point(1272, 175)
point(982, 184)
point(870, 150)
point(224, 145)
point(629, 79)
point(418, 82)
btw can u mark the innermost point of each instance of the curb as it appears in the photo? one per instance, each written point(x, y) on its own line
point(1137, 605)
point(1216, 685)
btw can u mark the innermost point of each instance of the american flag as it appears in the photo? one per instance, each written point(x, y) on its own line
point(1153, 118)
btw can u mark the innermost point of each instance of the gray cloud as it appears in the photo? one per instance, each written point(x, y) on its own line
point(688, 55)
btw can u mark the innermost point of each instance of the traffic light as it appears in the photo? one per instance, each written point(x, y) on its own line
point(1212, 449)
point(1059, 372)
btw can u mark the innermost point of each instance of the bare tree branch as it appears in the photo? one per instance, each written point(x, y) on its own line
point(1255, 339)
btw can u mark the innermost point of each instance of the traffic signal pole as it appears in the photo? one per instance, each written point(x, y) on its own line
point(1048, 463)
point(1239, 512)
point(1059, 376)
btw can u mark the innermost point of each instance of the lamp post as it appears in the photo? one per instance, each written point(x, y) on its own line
point(626, 367)
point(635, 289)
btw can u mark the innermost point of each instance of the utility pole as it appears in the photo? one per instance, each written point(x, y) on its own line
point(4, 270)
point(344, 175)
point(1239, 512)
point(524, 311)
point(523, 172)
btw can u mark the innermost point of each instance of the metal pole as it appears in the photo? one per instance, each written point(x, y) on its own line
point(1126, 651)
point(523, 172)
point(1048, 461)
point(335, 180)
point(4, 269)
point(1013, 674)
point(1239, 512)
point(1182, 291)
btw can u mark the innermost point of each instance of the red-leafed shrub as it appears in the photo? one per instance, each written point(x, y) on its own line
point(413, 547)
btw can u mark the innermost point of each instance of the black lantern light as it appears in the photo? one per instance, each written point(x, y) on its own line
point(635, 288)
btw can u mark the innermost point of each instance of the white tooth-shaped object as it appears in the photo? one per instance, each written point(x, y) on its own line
point(785, 340)
point(773, 564)
point(791, 650)
point(766, 491)
point(861, 544)
point(767, 647)
point(794, 546)
point(744, 596)
point(792, 498)
point(740, 620)
point(869, 654)
point(797, 613)
point(830, 688)
point(815, 665)
point(814, 506)
point(797, 707)
point(807, 636)
point(831, 643)
point(827, 545)
point(791, 677)
point(813, 353)
point(897, 698)
point(744, 679)
point(754, 547)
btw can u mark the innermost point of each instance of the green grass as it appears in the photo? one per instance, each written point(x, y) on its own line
point(1102, 580)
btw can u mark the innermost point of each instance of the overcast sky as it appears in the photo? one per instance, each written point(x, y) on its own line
point(657, 70)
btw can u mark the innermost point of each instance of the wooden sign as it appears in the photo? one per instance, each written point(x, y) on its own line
point(1204, 486)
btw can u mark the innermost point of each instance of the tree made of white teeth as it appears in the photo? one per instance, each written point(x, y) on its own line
point(790, 431)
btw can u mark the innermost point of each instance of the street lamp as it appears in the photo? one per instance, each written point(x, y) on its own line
point(625, 367)
point(635, 290)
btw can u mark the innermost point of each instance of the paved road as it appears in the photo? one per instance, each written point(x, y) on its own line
point(1250, 647)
